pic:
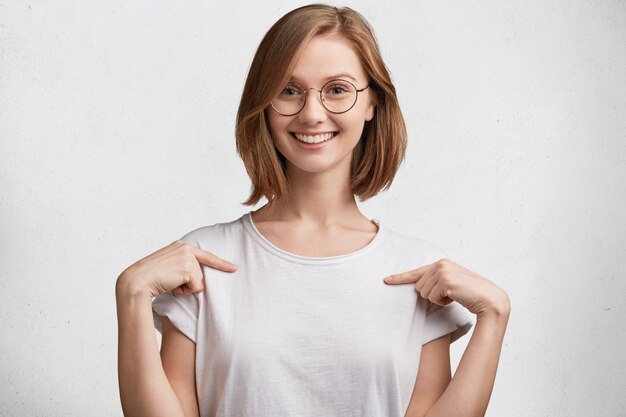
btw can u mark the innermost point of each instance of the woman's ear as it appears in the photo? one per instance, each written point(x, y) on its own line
point(371, 108)
point(370, 113)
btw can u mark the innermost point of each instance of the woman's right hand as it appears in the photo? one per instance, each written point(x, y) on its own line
point(176, 267)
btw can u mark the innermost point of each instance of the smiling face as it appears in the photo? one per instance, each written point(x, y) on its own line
point(324, 58)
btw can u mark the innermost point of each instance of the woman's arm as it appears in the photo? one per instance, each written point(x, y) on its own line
point(445, 281)
point(178, 354)
point(433, 376)
point(469, 390)
point(144, 387)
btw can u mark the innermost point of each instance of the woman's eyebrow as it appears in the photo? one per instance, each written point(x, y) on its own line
point(332, 77)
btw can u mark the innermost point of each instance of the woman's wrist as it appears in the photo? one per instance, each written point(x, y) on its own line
point(130, 285)
point(498, 311)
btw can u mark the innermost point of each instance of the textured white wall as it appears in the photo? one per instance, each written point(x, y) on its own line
point(116, 128)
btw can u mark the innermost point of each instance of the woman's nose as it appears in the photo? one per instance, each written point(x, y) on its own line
point(313, 111)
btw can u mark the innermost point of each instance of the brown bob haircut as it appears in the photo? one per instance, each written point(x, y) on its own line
point(381, 150)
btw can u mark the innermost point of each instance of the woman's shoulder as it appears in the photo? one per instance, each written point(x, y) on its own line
point(222, 232)
point(403, 242)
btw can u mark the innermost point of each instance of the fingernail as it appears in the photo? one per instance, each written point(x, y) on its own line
point(388, 279)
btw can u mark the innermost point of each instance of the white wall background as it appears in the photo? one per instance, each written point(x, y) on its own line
point(116, 128)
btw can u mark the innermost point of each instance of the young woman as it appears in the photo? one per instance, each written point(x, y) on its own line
point(311, 321)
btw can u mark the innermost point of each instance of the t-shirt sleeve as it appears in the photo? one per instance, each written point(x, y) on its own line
point(441, 320)
point(181, 310)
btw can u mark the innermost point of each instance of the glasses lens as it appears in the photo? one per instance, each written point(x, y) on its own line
point(290, 100)
point(339, 95)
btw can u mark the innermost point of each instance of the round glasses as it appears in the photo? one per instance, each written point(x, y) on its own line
point(337, 96)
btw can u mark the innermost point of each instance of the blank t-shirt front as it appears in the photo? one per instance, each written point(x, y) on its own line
point(290, 335)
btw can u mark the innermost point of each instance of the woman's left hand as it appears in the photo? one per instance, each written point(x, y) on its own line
point(445, 281)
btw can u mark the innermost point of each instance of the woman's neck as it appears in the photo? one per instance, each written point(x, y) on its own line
point(316, 201)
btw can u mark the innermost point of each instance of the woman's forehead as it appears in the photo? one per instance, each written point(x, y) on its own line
point(326, 57)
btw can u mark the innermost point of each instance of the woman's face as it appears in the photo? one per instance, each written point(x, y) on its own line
point(324, 58)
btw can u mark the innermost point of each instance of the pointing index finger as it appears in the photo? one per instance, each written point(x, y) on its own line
point(408, 277)
point(209, 259)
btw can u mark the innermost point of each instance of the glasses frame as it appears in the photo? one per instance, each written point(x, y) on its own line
point(306, 91)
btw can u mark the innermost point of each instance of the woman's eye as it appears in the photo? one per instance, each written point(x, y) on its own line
point(290, 91)
point(337, 90)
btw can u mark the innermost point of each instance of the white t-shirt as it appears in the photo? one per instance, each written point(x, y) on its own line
point(289, 335)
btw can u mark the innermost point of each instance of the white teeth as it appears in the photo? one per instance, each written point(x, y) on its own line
point(314, 139)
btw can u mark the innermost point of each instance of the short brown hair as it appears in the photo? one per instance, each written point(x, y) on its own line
point(381, 150)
